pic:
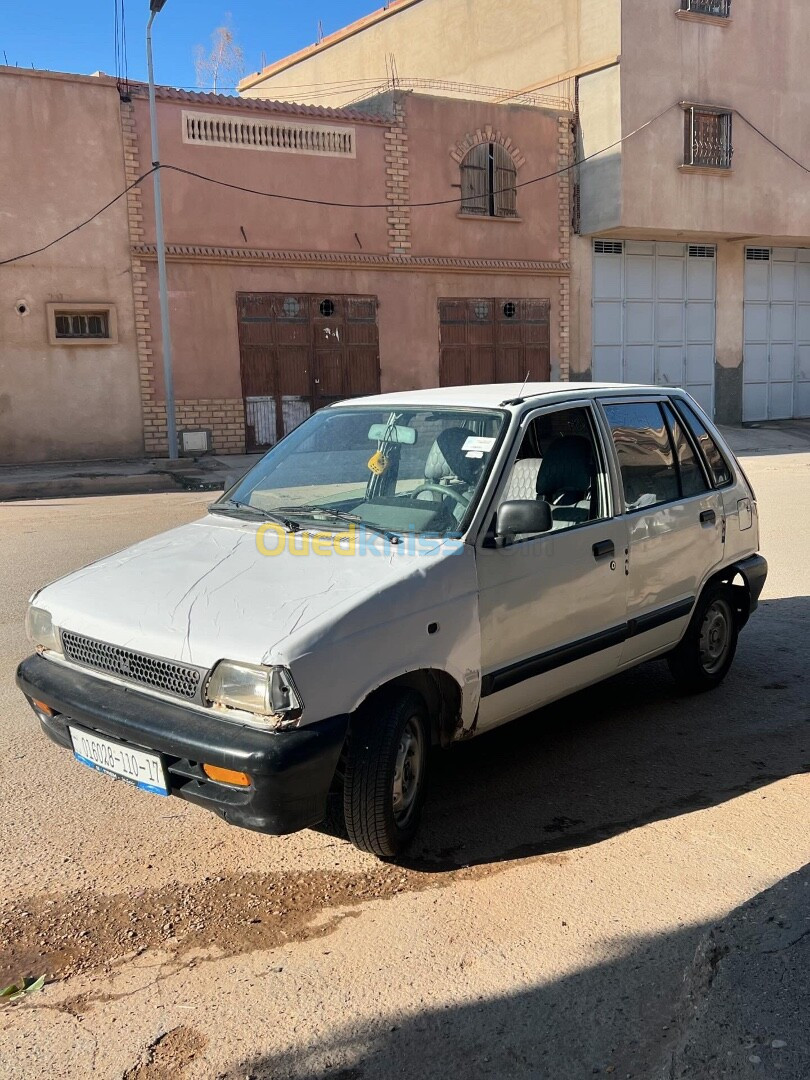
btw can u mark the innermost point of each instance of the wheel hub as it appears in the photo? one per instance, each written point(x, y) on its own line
point(715, 636)
point(407, 771)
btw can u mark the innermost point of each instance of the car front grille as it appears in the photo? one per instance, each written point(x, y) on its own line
point(167, 676)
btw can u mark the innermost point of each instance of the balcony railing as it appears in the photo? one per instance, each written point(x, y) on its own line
point(720, 8)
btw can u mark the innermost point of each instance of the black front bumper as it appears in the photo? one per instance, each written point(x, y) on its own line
point(291, 771)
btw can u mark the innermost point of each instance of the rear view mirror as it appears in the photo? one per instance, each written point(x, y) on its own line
point(398, 433)
point(520, 516)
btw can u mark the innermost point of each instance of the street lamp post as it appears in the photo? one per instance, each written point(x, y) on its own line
point(168, 378)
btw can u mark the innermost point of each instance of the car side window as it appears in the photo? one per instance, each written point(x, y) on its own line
point(693, 479)
point(718, 466)
point(644, 450)
point(559, 461)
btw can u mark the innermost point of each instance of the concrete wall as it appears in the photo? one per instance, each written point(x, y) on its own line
point(600, 126)
point(435, 126)
point(756, 64)
point(517, 45)
point(61, 158)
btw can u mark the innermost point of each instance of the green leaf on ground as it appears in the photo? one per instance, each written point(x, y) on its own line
point(22, 988)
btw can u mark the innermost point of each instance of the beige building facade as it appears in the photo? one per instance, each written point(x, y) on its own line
point(68, 371)
point(691, 253)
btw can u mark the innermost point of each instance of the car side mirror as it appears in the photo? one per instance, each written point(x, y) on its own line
point(522, 516)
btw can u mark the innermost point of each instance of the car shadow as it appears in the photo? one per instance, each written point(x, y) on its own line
point(627, 752)
point(697, 1001)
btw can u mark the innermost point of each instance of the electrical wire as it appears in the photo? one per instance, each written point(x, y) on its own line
point(413, 205)
point(385, 205)
point(81, 225)
point(770, 141)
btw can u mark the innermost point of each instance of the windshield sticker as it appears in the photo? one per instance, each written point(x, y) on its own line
point(478, 442)
point(474, 454)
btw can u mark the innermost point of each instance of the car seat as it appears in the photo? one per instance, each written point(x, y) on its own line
point(566, 480)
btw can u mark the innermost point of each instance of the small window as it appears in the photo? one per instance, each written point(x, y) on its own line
point(85, 325)
point(82, 324)
point(647, 463)
point(559, 461)
point(718, 466)
point(693, 479)
point(707, 138)
point(721, 9)
point(489, 182)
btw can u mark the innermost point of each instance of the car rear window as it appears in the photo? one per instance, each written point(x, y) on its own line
point(718, 466)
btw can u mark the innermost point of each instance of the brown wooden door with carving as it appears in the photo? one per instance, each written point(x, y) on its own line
point(299, 352)
point(492, 341)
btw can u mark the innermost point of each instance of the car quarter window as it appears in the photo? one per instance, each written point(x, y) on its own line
point(692, 476)
point(718, 466)
point(559, 460)
point(644, 450)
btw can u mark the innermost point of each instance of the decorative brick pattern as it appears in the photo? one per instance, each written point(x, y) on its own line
point(224, 417)
point(143, 322)
point(486, 134)
point(398, 188)
point(564, 160)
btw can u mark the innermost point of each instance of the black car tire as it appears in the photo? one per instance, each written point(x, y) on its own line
point(706, 651)
point(386, 772)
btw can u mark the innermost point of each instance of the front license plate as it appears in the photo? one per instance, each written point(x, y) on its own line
point(117, 759)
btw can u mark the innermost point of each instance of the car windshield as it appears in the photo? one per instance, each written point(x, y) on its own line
point(396, 470)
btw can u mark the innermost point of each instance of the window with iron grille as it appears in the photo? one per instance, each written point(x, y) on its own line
point(707, 138)
point(720, 8)
point(489, 182)
point(84, 324)
point(81, 323)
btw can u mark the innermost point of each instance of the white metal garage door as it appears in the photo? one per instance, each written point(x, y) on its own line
point(776, 368)
point(653, 315)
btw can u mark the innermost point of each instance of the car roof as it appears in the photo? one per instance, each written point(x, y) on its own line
point(494, 395)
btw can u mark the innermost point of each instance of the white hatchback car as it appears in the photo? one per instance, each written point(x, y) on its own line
point(400, 571)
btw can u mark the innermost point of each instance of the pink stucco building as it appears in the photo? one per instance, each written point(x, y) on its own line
point(380, 278)
point(407, 250)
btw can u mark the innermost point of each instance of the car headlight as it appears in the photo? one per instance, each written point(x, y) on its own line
point(41, 631)
point(265, 691)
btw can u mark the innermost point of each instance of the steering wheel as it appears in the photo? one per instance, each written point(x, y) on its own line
point(438, 489)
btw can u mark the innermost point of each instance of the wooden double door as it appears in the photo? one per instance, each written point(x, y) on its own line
point(299, 352)
point(493, 340)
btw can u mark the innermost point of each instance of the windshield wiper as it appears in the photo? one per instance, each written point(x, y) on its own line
point(231, 508)
point(343, 515)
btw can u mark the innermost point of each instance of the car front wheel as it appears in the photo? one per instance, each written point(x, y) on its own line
point(386, 772)
point(702, 659)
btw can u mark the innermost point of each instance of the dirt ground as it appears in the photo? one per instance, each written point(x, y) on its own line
point(550, 921)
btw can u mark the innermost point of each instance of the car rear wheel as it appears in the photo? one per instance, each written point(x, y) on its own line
point(386, 772)
point(702, 659)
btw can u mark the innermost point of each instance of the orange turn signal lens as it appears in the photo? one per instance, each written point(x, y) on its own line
point(42, 707)
point(226, 776)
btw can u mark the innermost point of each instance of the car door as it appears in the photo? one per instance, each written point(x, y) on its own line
point(552, 605)
point(675, 521)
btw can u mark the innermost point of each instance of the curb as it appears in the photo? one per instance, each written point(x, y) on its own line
point(76, 487)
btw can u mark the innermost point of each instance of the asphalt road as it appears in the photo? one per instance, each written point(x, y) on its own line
point(557, 916)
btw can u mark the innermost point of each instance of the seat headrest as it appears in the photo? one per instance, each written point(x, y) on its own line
point(567, 466)
point(447, 458)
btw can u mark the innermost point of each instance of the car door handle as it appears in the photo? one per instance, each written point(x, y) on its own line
point(708, 517)
point(603, 548)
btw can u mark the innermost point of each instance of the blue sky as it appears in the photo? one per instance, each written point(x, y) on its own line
point(78, 36)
